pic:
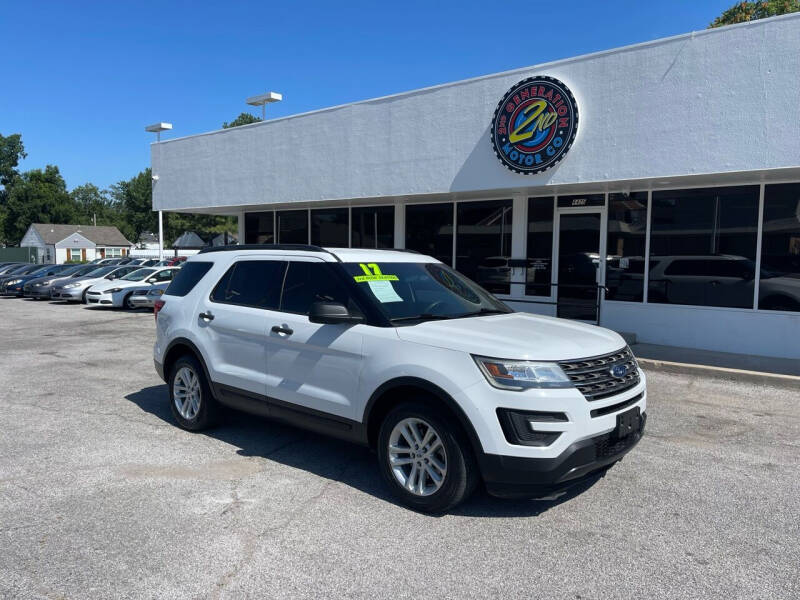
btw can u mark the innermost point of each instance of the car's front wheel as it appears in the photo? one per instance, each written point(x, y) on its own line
point(191, 401)
point(425, 459)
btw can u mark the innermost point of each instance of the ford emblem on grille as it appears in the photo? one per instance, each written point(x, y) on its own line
point(619, 371)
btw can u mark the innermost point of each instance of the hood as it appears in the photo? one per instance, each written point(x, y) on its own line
point(107, 284)
point(516, 336)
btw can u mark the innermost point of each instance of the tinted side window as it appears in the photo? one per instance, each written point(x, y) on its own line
point(309, 282)
point(187, 278)
point(251, 283)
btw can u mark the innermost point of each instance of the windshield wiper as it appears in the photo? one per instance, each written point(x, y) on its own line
point(422, 317)
point(485, 311)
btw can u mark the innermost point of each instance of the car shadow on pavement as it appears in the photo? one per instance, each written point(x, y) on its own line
point(333, 459)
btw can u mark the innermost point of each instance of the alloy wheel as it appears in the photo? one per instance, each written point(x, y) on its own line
point(187, 393)
point(417, 456)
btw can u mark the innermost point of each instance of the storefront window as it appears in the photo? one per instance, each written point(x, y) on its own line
point(540, 246)
point(483, 243)
point(292, 226)
point(627, 230)
point(779, 287)
point(259, 228)
point(372, 227)
point(329, 227)
point(429, 230)
point(703, 247)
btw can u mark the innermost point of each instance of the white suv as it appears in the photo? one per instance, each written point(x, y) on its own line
point(399, 352)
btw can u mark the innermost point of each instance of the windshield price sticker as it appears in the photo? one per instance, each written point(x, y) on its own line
point(372, 272)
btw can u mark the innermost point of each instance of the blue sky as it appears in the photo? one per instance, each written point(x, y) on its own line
point(81, 79)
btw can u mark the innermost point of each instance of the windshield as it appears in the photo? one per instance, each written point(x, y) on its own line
point(138, 274)
point(100, 271)
point(83, 270)
point(70, 270)
point(32, 270)
point(413, 292)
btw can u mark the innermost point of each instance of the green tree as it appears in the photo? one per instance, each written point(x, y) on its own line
point(93, 204)
point(742, 12)
point(242, 119)
point(134, 201)
point(37, 196)
point(11, 152)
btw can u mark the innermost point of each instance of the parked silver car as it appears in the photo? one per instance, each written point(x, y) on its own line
point(75, 290)
point(146, 297)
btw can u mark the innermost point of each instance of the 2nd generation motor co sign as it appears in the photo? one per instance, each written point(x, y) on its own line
point(534, 125)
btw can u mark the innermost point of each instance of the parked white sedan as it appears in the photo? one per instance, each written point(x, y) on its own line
point(119, 293)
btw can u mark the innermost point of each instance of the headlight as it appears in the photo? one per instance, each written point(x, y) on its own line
point(72, 285)
point(522, 374)
point(41, 283)
point(113, 290)
point(13, 282)
point(155, 292)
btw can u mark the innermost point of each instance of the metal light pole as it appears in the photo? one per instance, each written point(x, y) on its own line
point(157, 128)
point(263, 99)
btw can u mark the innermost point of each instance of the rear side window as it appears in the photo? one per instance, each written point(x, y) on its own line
point(255, 283)
point(187, 278)
point(309, 282)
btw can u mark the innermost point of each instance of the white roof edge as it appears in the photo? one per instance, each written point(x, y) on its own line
point(561, 61)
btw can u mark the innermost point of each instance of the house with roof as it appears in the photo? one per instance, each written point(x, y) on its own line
point(72, 243)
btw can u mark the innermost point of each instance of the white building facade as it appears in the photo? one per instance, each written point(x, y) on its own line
point(659, 192)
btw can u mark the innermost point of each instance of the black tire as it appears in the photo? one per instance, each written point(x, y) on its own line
point(461, 476)
point(83, 296)
point(126, 302)
point(208, 413)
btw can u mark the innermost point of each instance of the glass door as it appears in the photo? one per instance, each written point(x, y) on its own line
point(579, 265)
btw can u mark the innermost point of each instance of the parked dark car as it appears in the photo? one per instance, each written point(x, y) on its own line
point(16, 286)
point(15, 278)
point(38, 286)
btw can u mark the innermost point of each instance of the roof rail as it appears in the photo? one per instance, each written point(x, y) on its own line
point(237, 247)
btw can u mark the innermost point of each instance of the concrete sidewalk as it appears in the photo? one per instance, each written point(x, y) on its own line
point(756, 369)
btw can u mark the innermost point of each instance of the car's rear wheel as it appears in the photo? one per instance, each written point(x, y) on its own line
point(191, 401)
point(426, 461)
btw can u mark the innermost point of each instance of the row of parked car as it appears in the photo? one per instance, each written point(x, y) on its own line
point(112, 282)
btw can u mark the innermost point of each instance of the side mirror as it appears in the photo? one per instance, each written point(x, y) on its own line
point(152, 280)
point(331, 313)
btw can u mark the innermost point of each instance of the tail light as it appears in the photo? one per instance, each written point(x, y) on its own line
point(157, 306)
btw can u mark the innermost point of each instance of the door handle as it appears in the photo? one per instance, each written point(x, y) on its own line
point(207, 316)
point(281, 329)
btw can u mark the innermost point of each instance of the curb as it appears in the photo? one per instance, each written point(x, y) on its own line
point(757, 377)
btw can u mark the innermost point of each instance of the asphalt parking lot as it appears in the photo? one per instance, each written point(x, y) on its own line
point(102, 497)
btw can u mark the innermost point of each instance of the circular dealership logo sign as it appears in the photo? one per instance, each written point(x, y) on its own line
point(534, 125)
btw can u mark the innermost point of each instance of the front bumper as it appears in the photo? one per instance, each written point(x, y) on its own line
point(70, 295)
point(514, 476)
point(102, 299)
point(40, 292)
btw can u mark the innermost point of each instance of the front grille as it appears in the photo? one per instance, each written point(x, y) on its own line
point(592, 376)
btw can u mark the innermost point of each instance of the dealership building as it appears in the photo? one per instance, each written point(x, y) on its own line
point(653, 189)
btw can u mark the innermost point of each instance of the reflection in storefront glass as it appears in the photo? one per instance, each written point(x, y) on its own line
point(259, 228)
point(329, 227)
point(483, 243)
point(293, 226)
point(627, 229)
point(703, 247)
point(429, 230)
point(540, 246)
point(779, 287)
point(372, 227)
